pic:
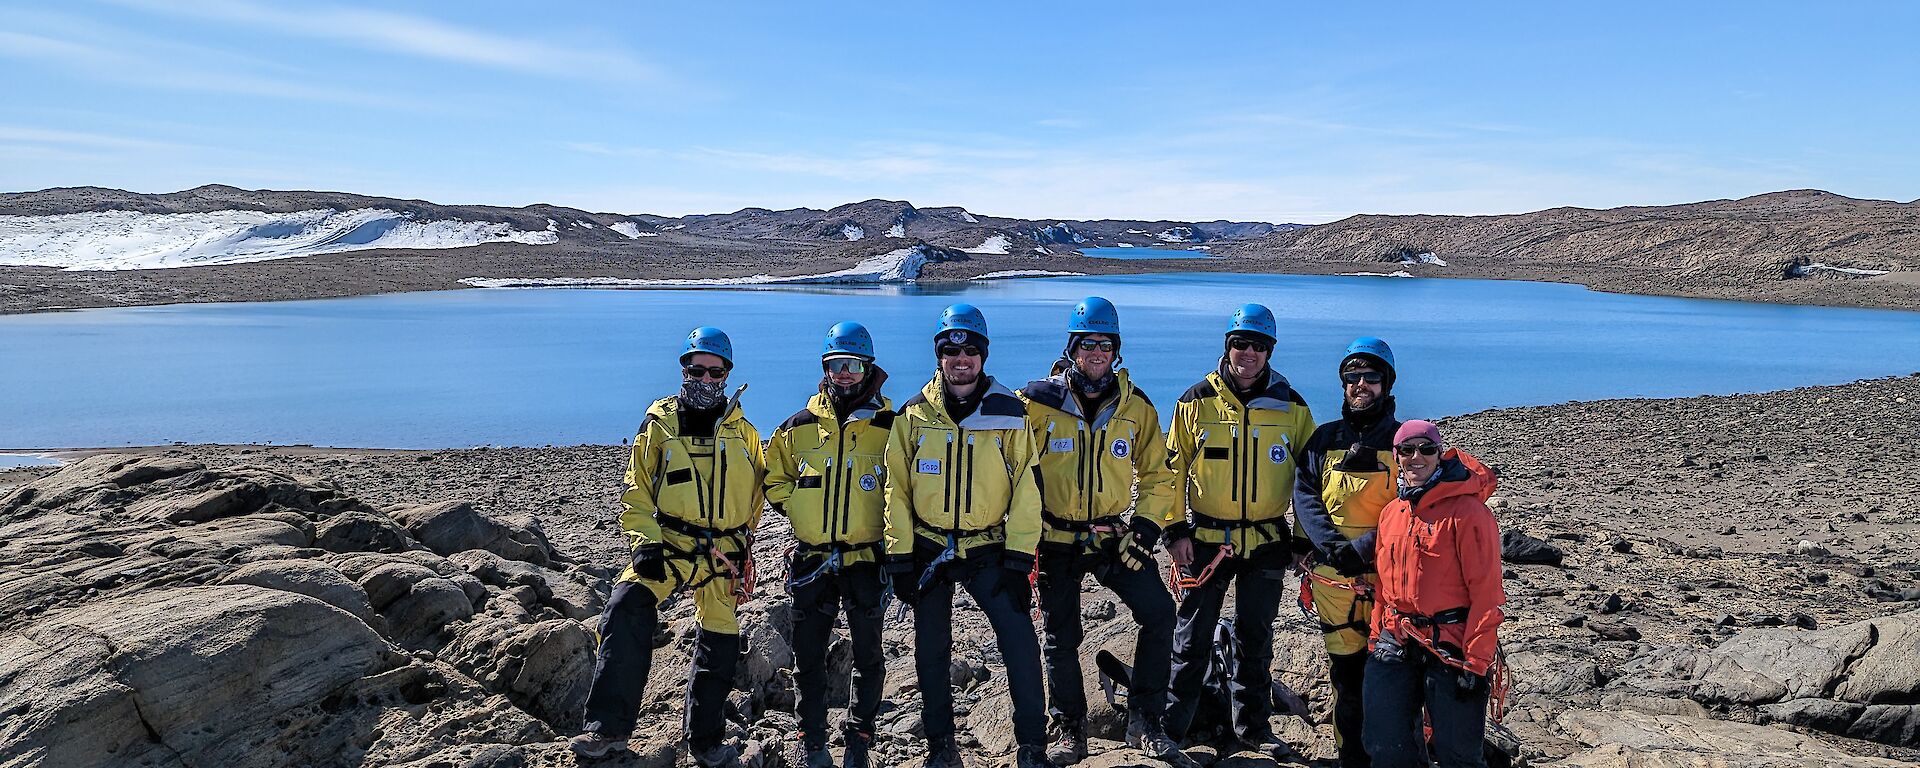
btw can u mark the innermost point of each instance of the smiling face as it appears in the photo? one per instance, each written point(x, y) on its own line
point(1419, 459)
point(959, 368)
point(1093, 363)
point(841, 373)
point(1247, 356)
point(1360, 394)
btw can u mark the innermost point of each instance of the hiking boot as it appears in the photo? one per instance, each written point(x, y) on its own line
point(592, 744)
point(806, 755)
point(722, 755)
point(1144, 734)
point(944, 754)
point(858, 742)
point(1035, 757)
point(1266, 745)
point(1071, 745)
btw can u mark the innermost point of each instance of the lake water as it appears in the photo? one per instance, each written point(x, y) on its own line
point(1143, 253)
point(536, 367)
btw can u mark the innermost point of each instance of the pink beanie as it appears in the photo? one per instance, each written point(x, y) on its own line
point(1417, 428)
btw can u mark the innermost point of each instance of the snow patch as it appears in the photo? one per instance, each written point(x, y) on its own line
point(552, 226)
point(1007, 274)
point(897, 230)
point(1201, 248)
point(1175, 235)
point(674, 226)
point(996, 244)
point(1126, 245)
point(1426, 257)
point(968, 218)
point(899, 266)
point(852, 232)
point(1136, 232)
point(1395, 273)
point(583, 224)
point(115, 240)
point(1802, 270)
point(632, 230)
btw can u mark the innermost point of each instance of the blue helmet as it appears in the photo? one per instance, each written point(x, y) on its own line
point(1373, 349)
point(1094, 315)
point(962, 317)
point(848, 339)
point(710, 340)
point(1255, 319)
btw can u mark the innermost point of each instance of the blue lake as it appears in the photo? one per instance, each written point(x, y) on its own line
point(1143, 253)
point(536, 367)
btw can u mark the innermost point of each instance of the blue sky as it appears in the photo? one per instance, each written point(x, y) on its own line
point(1255, 111)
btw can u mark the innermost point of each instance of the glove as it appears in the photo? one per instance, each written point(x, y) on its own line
point(650, 562)
point(1346, 559)
point(1013, 581)
point(1470, 682)
point(1145, 533)
point(905, 582)
point(1132, 556)
point(1388, 649)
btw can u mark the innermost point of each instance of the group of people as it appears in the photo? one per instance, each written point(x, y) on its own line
point(1020, 495)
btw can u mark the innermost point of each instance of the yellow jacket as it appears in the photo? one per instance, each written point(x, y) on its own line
point(974, 478)
point(711, 483)
point(828, 476)
point(1089, 463)
point(1235, 461)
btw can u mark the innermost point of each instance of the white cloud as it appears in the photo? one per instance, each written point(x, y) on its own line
point(114, 57)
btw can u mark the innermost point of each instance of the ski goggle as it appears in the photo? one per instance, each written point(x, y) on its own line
point(1370, 377)
point(1089, 345)
point(714, 372)
point(1409, 449)
point(1242, 342)
point(845, 365)
point(956, 350)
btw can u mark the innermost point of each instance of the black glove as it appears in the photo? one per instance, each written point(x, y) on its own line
point(1145, 532)
point(1014, 582)
point(650, 562)
point(904, 578)
point(1470, 682)
point(1346, 559)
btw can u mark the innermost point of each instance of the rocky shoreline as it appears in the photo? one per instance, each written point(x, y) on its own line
point(1735, 585)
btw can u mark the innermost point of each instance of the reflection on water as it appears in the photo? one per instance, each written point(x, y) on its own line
point(533, 367)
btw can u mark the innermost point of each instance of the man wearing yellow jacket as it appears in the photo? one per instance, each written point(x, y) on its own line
point(693, 498)
point(962, 509)
point(1098, 435)
point(1347, 475)
point(1232, 450)
point(825, 470)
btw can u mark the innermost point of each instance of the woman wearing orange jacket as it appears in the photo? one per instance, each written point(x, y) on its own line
point(1437, 612)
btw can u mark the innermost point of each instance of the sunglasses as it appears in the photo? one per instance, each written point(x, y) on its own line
point(1370, 377)
point(1409, 449)
point(955, 350)
point(708, 371)
point(1089, 345)
point(1245, 343)
point(845, 365)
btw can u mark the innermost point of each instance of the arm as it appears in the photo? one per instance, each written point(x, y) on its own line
point(638, 502)
point(1180, 455)
point(1158, 490)
point(1312, 527)
point(1478, 547)
point(899, 488)
point(757, 454)
point(1023, 506)
point(783, 470)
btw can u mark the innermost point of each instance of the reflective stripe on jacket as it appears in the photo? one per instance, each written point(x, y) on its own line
point(708, 482)
point(1235, 461)
point(973, 476)
point(1089, 463)
point(828, 475)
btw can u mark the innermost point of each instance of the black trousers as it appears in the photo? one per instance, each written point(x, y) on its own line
point(1349, 707)
point(1396, 691)
point(626, 657)
point(858, 590)
point(1062, 569)
point(1012, 630)
point(1256, 604)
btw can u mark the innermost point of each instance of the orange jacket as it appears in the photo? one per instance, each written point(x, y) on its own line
point(1441, 552)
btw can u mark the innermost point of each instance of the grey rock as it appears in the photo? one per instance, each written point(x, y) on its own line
point(305, 577)
point(455, 526)
point(361, 532)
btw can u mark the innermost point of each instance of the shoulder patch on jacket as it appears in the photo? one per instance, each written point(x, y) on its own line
point(802, 418)
point(1200, 391)
point(1142, 395)
point(919, 398)
point(883, 420)
point(1002, 404)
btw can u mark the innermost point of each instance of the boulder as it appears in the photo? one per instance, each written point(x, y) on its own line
point(544, 668)
point(417, 619)
point(305, 577)
point(1637, 740)
point(455, 526)
point(357, 531)
point(195, 676)
point(1519, 548)
point(91, 475)
point(572, 597)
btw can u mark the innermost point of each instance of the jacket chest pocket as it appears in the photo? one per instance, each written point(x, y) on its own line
point(865, 472)
point(1354, 499)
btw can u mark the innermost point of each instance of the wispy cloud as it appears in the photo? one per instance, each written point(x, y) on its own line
point(418, 36)
point(19, 134)
point(112, 56)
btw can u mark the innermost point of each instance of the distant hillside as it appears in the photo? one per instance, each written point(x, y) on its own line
point(1765, 237)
